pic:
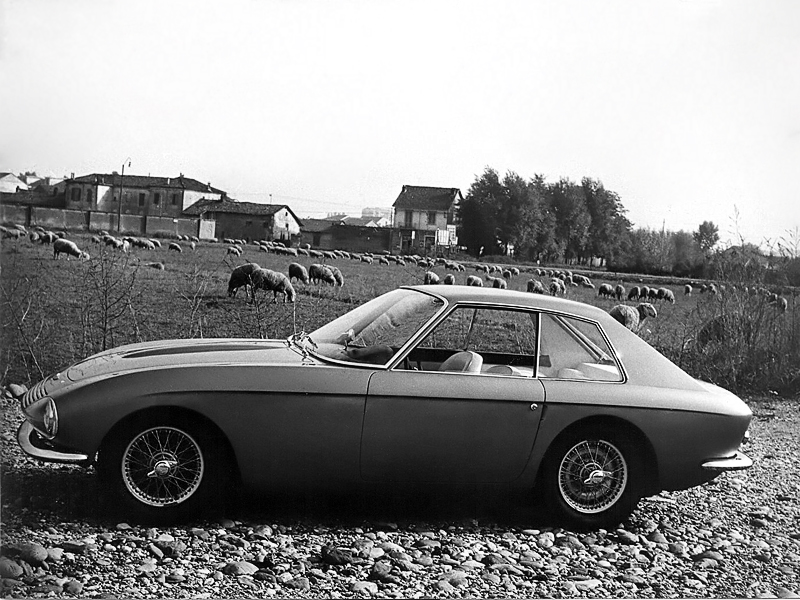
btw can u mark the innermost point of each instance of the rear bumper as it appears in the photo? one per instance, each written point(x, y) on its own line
point(37, 447)
point(737, 462)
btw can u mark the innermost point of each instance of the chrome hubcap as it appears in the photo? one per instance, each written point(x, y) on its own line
point(162, 466)
point(592, 476)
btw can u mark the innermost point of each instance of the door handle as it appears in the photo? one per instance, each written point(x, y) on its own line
point(534, 406)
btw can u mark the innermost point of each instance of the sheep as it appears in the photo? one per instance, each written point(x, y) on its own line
point(241, 276)
point(535, 286)
point(652, 293)
point(158, 266)
point(175, 246)
point(644, 292)
point(48, 237)
point(605, 290)
point(265, 279)
point(366, 259)
point(506, 274)
point(667, 295)
point(474, 281)
point(631, 317)
point(383, 260)
point(62, 246)
point(496, 282)
point(635, 292)
point(557, 287)
point(430, 278)
point(449, 279)
point(687, 290)
point(619, 291)
point(318, 273)
point(337, 275)
point(193, 245)
point(299, 272)
point(515, 271)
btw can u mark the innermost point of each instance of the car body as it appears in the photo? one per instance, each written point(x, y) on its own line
point(422, 385)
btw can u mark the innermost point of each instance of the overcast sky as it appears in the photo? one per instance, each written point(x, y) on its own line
point(689, 110)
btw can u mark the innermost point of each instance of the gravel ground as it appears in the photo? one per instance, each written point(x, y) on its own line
point(738, 536)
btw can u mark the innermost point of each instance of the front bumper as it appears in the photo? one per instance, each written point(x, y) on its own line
point(737, 462)
point(36, 446)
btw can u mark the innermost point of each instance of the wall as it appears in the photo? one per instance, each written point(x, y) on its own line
point(58, 218)
point(170, 225)
point(208, 229)
point(284, 225)
point(14, 214)
point(190, 197)
point(350, 238)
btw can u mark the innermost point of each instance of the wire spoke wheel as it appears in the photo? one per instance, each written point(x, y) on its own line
point(592, 476)
point(162, 466)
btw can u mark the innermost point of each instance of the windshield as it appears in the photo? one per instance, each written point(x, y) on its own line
point(374, 331)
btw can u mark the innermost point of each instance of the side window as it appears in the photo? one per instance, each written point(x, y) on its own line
point(575, 349)
point(480, 340)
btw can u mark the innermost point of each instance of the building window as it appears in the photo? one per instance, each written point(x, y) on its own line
point(266, 224)
point(141, 199)
point(76, 194)
point(409, 218)
point(156, 198)
point(174, 199)
point(431, 217)
point(248, 223)
point(89, 196)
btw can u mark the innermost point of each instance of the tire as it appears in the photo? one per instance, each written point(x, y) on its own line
point(164, 468)
point(592, 478)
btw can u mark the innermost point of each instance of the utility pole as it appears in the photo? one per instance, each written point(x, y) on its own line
point(121, 187)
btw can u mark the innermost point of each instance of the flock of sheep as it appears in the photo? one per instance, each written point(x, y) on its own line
point(254, 277)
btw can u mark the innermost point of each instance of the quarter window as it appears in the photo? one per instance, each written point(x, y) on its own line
point(141, 199)
point(174, 199)
point(432, 217)
point(156, 198)
point(575, 349)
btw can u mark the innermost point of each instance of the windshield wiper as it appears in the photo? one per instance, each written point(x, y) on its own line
point(301, 339)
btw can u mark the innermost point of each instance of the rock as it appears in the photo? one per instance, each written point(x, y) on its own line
point(75, 547)
point(334, 556)
point(366, 588)
point(9, 569)
point(55, 555)
point(123, 526)
point(492, 578)
point(759, 522)
point(444, 586)
point(16, 390)
point(170, 548)
point(783, 592)
point(155, 551)
point(712, 554)
point(588, 585)
point(677, 548)
point(33, 553)
point(73, 587)
point(263, 532)
point(299, 583)
point(241, 567)
point(626, 537)
point(657, 538)
point(456, 577)
point(382, 571)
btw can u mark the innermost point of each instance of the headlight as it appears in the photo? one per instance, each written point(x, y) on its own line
point(43, 415)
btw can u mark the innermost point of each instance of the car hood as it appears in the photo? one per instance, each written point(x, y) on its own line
point(185, 352)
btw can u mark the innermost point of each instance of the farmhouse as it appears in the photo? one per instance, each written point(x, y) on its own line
point(420, 212)
point(141, 195)
point(248, 220)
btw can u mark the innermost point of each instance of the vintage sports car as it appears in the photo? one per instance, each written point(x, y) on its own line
point(422, 385)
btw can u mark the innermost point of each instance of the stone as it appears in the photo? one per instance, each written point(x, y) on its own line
point(33, 553)
point(759, 523)
point(75, 547)
point(299, 583)
point(588, 585)
point(240, 567)
point(55, 554)
point(456, 577)
point(73, 587)
point(366, 588)
point(16, 390)
point(712, 554)
point(123, 526)
point(334, 556)
point(657, 538)
point(9, 569)
point(626, 537)
point(155, 551)
point(444, 586)
point(171, 548)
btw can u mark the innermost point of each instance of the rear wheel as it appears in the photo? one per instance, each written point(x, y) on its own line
point(592, 478)
point(162, 469)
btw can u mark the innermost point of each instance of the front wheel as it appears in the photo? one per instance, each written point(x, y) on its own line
point(161, 470)
point(592, 478)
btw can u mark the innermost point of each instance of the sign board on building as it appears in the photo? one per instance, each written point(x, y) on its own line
point(451, 230)
point(442, 237)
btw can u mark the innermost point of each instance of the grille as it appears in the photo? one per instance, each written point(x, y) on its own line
point(32, 395)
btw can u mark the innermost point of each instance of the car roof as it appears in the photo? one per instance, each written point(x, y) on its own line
point(465, 293)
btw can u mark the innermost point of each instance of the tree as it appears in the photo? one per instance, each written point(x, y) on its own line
point(610, 227)
point(706, 236)
point(571, 217)
point(480, 214)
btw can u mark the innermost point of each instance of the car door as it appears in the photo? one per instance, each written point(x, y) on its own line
point(425, 424)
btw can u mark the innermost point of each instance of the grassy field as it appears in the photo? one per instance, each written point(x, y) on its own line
point(55, 312)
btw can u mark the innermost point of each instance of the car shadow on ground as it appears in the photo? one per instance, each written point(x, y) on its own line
point(60, 493)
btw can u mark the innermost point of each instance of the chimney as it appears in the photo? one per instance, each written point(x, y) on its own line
point(72, 176)
point(168, 180)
